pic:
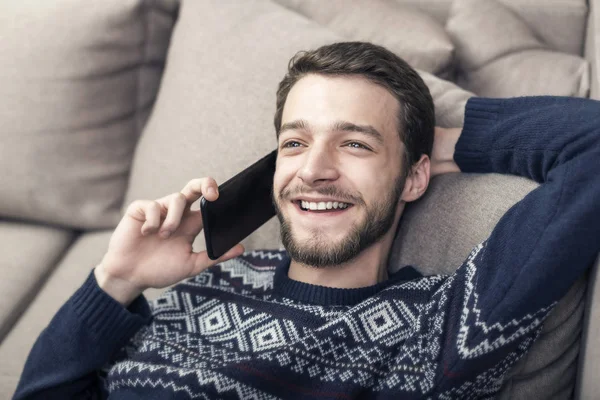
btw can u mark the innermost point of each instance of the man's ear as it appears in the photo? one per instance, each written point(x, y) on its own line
point(417, 180)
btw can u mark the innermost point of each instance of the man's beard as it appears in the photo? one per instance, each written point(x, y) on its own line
point(320, 252)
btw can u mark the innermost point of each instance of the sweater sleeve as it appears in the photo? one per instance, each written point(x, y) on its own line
point(85, 333)
point(542, 244)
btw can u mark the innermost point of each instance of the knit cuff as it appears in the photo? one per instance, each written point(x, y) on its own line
point(471, 153)
point(107, 319)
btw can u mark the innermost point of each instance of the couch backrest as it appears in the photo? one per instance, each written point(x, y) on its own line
point(78, 82)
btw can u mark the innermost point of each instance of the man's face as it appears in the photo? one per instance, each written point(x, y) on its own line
point(338, 179)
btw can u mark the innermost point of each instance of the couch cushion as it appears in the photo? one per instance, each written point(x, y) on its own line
point(437, 233)
point(449, 100)
point(558, 23)
point(412, 34)
point(213, 116)
point(78, 81)
point(498, 55)
point(438, 9)
point(29, 253)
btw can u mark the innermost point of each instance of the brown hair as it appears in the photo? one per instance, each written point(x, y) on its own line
point(416, 121)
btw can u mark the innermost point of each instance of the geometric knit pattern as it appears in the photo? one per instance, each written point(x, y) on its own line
point(226, 333)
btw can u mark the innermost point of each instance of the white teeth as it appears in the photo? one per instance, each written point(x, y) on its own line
point(322, 205)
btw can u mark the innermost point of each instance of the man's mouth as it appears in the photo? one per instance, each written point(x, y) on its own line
point(322, 206)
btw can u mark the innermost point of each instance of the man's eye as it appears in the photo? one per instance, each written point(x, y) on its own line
point(356, 145)
point(291, 144)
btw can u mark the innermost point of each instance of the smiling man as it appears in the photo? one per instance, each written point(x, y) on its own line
point(340, 178)
point(347, 145)
point(323, 319)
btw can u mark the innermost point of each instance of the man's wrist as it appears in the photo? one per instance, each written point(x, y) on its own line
point(118, 289)
point(442, 157)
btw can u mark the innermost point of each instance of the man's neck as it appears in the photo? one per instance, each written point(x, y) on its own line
point(367, 269)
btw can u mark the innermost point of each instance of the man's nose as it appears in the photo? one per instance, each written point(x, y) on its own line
point(319, 165)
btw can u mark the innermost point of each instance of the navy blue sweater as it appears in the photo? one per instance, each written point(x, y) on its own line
point(243, 329)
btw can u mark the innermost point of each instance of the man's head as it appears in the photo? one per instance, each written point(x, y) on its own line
point(355, 126)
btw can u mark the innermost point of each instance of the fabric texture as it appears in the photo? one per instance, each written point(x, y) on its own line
point(78, 81)
point(412, 34)
point(30, 253)
point(437, 231)
point(561, 24)
point(499, 55)
point(439, 9)
point(257, 334)
point(449, 100)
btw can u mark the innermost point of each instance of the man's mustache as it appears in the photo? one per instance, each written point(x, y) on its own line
point(330, 191)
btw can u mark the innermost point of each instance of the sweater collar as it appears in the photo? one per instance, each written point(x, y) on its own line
point(328, 296)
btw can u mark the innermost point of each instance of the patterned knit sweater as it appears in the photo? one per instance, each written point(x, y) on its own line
point(243, 329)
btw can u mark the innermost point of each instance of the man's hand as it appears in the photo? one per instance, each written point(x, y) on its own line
point(442, 155)
point(152, 245)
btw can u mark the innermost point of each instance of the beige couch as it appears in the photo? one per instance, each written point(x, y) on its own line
point(107, 102)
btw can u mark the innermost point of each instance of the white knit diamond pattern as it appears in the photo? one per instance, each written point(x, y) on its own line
point(227, 317)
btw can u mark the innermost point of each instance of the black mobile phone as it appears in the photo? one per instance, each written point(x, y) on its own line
point(244, 204)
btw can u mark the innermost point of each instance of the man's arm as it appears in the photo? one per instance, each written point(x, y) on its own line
point(81, 338)
point(442, 154)
point(544, 242)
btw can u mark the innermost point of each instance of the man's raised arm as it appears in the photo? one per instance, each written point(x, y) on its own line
point(545, 242)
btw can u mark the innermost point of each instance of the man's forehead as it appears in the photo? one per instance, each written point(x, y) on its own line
point(324, 101)
point(336, 126)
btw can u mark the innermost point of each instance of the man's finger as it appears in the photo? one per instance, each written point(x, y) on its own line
point(197, 188)
point(202, 261)
point(176, 208)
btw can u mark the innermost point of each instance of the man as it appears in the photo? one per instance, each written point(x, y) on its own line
point(355, 130)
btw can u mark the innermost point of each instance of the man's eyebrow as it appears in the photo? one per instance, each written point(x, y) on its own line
point(366, 129)
point(346, 126)
point(298, 124)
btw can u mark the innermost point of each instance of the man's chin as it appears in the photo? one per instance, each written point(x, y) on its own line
point(306, 237)
point(317, 249)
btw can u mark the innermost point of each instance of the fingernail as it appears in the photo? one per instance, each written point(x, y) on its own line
point(165, 234)
point(212, 191)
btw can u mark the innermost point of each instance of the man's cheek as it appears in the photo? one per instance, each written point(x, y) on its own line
point(281, 182)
